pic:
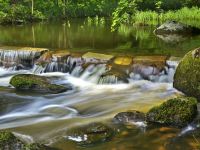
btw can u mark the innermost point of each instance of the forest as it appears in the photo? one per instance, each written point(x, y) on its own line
point(120, 11)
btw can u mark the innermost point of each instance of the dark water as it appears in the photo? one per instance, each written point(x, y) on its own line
point(46, 118)
point(80, 36)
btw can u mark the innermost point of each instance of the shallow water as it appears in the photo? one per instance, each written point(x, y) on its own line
point(45, 117)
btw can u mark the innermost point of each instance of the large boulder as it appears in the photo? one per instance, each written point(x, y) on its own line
point(173, 27)
point(30, 82)
point(174, 112)
point(8, 141)
point(90, 134)
point(187, 76)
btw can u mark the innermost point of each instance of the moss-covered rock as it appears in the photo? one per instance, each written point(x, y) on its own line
point(8, 141)
point(36, 83)
point(90, 134)
point(174, 112)
point(187, 76)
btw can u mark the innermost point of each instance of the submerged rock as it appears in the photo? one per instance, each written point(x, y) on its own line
point(36, 146)
point(171, 27)
point(187, 76)
point(130, 116)
point(8, 141)
point(174, 112)
point(90, 134)
point(36, 83)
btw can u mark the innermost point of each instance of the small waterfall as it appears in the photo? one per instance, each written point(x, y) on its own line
point(108, 80)
point(19, 58)
point(57, 65)
point(87, 68)
point(102, 74)
point(153, 74)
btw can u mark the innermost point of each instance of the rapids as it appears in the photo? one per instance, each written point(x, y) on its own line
point(92, 98)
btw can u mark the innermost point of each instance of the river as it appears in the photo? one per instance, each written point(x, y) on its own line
point(45, 117)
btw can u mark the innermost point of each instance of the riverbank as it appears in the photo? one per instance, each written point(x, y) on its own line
point(185, 15)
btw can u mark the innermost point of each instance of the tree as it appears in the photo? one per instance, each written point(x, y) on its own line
point(124, 12)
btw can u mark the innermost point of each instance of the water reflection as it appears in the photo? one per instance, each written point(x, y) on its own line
point(79, 35)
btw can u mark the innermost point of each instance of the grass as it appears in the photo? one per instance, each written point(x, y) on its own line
point(190, 16)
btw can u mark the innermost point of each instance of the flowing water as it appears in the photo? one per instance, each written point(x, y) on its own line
point(45, 117)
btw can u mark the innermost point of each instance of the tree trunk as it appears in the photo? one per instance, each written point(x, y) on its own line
point(64, 8)
point(32, 6)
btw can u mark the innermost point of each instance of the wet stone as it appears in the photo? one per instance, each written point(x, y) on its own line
point(39, 84)
point(114, 76)
point(93, 133)
point(8, 141)
point(129, 117)
point(96, 57)
point(124, 61)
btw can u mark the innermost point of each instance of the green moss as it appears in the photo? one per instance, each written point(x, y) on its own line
point(9, 142)
point(27, 81)
point(187, 76)
point(176, 112)
point(6, 137)
point(35, 83)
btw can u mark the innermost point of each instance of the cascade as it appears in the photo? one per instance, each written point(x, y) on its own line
point(18, 57)
point(110, 71)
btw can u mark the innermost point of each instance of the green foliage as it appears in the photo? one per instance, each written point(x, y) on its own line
point(14, 11)
point(186, 15)
point(5, 137)
point(123, 13)
point(96, 21)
